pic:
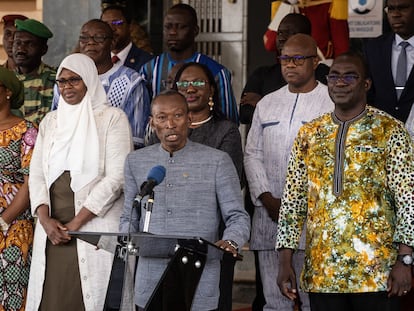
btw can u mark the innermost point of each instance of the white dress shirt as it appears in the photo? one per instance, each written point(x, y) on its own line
point(396, 50)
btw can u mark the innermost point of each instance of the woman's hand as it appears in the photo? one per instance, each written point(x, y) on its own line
point(80, 219)
point(73, 225)
point(56, 232)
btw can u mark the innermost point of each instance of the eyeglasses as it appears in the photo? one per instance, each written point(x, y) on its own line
point(71, 81)
point(298, 60)
point(184, 85)
point(346, 78)
point(397, 8)
point(96, 38)
point(118, 22)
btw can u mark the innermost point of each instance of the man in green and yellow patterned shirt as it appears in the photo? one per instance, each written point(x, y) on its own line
point(351, 180)
point(29, 45)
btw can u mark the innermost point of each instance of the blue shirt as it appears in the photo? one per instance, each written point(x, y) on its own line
point(156, 70)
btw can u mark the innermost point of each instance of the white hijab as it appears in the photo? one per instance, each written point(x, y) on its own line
point(76, 144)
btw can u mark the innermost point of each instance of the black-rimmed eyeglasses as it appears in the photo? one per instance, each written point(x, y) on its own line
point(298, 60)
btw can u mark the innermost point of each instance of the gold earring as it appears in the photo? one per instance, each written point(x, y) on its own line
point(210, 103)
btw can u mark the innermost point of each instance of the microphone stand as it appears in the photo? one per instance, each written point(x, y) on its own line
point(136, 206)
point(148, 212)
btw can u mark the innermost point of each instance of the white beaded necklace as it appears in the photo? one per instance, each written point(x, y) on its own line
point(202, 122)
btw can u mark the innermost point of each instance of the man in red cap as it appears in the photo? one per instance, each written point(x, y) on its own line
point(8, 34)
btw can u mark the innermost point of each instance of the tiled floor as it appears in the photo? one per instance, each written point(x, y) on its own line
point(243, 286)
point(243, 296)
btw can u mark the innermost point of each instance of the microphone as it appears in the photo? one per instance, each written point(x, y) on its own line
point(155, 177)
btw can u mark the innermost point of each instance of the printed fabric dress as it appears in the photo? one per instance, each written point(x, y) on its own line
point(16, 147)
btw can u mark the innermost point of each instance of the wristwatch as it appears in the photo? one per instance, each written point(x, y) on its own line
point(406, 259)
point(233, 244)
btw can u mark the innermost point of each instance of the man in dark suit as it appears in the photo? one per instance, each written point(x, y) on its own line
point(382, 56)
point(124, 52)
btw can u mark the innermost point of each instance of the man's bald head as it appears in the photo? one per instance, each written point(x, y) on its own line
point(299, 61)
point(302, 41)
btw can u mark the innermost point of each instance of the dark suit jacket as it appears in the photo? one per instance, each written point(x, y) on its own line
point(136, 58)
point(382, 94)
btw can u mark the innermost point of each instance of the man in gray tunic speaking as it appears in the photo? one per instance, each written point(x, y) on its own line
point(201, 188)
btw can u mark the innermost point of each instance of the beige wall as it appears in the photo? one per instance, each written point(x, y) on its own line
point(29, 8)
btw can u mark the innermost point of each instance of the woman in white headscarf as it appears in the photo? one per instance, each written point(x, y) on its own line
point(75, 183)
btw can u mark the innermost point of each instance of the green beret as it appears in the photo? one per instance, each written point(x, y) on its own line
point(34, 27)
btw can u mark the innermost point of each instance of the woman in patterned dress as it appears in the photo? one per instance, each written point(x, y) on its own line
point(17, 138)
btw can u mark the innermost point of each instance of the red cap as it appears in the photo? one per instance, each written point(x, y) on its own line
point(8, 20)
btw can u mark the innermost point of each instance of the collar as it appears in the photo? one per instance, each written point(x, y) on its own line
point(104, 77)
point(38, 71)
point(356, 118)
point(192, 58)
point(122, 55)
point(178, 152)
point(398, 40)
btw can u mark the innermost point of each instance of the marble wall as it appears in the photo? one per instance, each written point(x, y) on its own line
point(65, 18)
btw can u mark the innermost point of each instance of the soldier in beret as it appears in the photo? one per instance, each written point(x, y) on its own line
point(30, 44)
point(8, 34)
